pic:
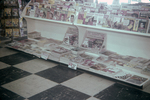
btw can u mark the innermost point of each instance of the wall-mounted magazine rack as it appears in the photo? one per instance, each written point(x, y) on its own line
point(120, 41)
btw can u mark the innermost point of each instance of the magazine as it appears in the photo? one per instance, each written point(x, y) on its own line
point(123, 75)
point(7, 12)
point(100, 19)
point(63, 15)
point(57, 14)
point(94, 42)
point(37, 11)
point(81, 16)
point(15, 22)
point(71, 37)
point(144, 14)
point(14, 12)
point(16, 32)
point(90, 19)
point(8, 22)
point(8, 32)
point(71, 15)
point(28, 11)
point(107, 21)
point(134, 14)
point(117, 22)
point(142, 27)
point(137, 79)
point(128, 23)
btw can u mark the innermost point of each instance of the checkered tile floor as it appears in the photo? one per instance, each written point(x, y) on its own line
point(25, 77)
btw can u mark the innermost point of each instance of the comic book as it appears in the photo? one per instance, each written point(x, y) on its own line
point(90, 19)
point(8, 22)
point(7, 12)
point(143, 25)
point(71, 37)
point(15, 22)
point(16, 32)
point(14, 12)
point(117, 22)
point(8, 32)
point(94, 42)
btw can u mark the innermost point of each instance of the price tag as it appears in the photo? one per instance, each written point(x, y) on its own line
point(44, 55)
point(73, 65)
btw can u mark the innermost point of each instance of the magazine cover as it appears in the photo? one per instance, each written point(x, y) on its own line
point(63, 15)
point(117, 22)
point(14, 12)
point(142, 27)
point(28, 11)
point(81, 16)
point(144, 14)
point(16, 32)
point(85, 56)
point(134, 14)
point(71, 37)
point(87, 62)
point(37, 11)
point(128, 23)
point(107, 21)
point(53, 8)
point(94, 42)
point(99, 66)
point(8, 22)
point(100, 19)
point(57, 14)
point(71, 15)
point(8, 32)
point(90, 19)
point(43, 12)
point(137, 79)
point(15, 22)
point(7, 12)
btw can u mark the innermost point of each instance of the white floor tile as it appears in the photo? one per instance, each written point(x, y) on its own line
point(3, 65)
point(35, 65)
point(6, 52)
point(29, 86)
point(92, 98)
point(88, 84)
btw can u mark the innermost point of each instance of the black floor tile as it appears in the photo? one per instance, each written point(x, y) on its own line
point(122, 92)
point(59, 73)
point(8, 95)
point(60, 92)
point(10, 74)
point(16, 58)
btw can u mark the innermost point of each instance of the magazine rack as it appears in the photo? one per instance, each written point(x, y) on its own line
point(120, 41)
